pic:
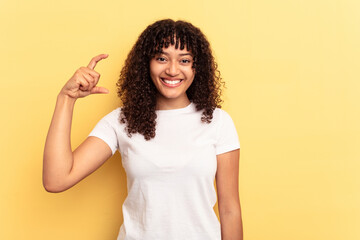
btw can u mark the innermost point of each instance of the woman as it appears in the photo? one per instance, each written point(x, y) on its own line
point(172, 135)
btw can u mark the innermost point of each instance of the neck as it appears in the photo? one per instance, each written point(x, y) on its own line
point(168, 104)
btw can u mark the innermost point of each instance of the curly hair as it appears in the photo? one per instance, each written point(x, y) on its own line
point(137, 91)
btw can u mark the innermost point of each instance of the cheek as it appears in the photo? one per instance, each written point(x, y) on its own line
point(192, 74)
point(151, 68)
point(156, 70)
point(153, 72)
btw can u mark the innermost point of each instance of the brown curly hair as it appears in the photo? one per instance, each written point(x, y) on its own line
point(138, 92)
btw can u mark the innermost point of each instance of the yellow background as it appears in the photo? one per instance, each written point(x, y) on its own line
point(292, 74)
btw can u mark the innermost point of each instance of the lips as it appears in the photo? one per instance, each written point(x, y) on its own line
point(171, 82)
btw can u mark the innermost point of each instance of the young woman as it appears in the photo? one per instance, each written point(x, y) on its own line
point(173, 138)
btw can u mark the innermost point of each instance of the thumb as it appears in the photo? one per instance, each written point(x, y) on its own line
point(97, 89)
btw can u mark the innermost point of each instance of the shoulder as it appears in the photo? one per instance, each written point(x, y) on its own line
point(113, 116)
point(220, 115)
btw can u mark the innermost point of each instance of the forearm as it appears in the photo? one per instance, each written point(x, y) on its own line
point(58, 158)
point(231, 226)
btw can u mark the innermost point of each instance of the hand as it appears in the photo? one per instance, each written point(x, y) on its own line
point(84, 81)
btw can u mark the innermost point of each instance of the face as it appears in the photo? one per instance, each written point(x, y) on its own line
point(172, 73)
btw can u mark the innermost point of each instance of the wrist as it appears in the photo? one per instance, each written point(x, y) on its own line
point(65, 98)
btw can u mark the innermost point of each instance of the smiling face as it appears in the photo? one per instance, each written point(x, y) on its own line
point(172, 73)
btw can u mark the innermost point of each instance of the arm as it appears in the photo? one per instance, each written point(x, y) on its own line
point(63, 168)
point(227, 183)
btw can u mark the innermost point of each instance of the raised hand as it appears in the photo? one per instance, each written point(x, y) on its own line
point(84, 80)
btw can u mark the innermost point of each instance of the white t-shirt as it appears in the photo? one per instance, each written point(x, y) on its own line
point(170, 178)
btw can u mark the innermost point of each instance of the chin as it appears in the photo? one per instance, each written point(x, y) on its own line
point(170, 96)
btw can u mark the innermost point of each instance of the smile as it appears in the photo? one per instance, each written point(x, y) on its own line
point(171, 83)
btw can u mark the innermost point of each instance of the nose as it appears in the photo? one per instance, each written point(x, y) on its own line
point(172, 68)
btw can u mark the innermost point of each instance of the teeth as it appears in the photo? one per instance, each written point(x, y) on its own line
point(173, 82)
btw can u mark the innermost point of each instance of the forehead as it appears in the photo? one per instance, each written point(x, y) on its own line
point(172, 50)
point(178, 42)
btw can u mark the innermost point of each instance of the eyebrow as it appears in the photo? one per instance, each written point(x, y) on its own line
point(181, 54)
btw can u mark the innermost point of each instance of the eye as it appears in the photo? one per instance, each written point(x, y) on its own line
point(185, 61)
point(160, 59)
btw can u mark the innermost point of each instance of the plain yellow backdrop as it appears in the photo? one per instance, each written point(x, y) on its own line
point(292, 73)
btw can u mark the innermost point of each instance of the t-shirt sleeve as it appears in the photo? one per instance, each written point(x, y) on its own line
point(105, 129)
point(228, 139)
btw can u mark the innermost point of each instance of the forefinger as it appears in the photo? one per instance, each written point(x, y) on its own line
point(96, 59)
